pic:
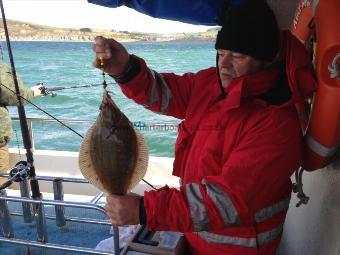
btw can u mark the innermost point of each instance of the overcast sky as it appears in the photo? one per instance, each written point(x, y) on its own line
point(79, 13)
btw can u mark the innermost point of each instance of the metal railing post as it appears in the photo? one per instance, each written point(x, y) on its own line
point(116, 240)
point(43, 243)
point(26, 207)
point(59, 195)
point(5, 217)
point(39, 214)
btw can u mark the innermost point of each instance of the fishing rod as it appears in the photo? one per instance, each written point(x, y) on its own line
point(59, 121)
point(23, 120)
point(22, 115)
point(42, 110)
point(49, 90)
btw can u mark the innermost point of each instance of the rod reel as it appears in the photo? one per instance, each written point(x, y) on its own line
point(19, 173)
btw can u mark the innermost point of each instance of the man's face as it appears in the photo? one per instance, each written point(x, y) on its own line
point(232, 65)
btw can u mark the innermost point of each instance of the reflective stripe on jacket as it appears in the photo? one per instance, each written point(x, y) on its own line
point(235, 156)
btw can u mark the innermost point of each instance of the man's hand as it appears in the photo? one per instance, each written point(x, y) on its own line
point(38, 90)
point(111, 54)
point(123, 210)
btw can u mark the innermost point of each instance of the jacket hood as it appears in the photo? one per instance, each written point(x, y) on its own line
point(299, 68)
point(294, 60)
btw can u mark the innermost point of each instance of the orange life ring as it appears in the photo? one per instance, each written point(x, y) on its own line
point(323, 135)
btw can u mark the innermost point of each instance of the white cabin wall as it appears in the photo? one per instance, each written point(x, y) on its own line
point(314, 229)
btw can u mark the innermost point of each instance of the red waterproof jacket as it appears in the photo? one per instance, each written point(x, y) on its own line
point(234, 156)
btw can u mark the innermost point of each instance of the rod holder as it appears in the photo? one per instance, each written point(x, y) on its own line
point(26, 207)
point(5, 217)
point(59, 195)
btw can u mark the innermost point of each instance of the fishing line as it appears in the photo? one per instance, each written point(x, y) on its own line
point(103, 73)
point(17, 141)
point(40, 109)
point(102, 67)
point(47, 90)
point(63, 124)
point(23, 120)
point(1, 52)
point(148, 183)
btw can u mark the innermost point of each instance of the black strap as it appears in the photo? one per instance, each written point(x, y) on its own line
point(142, 212)
point(132, 70)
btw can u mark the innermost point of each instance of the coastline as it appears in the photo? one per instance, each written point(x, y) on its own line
point(73, 41)
point(22, 31)
point(119, 40)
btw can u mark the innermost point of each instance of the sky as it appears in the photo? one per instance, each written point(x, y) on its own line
point(80, 14)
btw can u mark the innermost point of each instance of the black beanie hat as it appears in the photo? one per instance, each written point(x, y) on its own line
point(249, 27)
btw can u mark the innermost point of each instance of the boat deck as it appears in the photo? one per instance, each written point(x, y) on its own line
point(84, 228)
point(86, 221)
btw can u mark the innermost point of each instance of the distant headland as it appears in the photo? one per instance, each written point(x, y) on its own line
point(24, 31)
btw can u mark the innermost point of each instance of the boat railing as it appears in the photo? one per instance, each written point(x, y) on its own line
point(139, 125)
point(32, 120)
point(34, 210)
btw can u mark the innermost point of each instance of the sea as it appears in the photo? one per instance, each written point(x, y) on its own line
point(69, 64)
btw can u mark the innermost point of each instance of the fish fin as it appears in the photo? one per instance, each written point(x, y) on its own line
point(142, 161)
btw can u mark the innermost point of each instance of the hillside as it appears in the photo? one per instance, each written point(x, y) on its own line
point(23, 31)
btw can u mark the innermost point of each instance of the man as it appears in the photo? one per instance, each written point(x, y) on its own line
point(239, 142)
point(8, 98)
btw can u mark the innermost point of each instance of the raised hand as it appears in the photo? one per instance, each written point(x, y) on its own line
point(111, 56)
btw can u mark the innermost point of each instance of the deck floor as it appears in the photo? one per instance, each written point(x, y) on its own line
point(73, 233)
